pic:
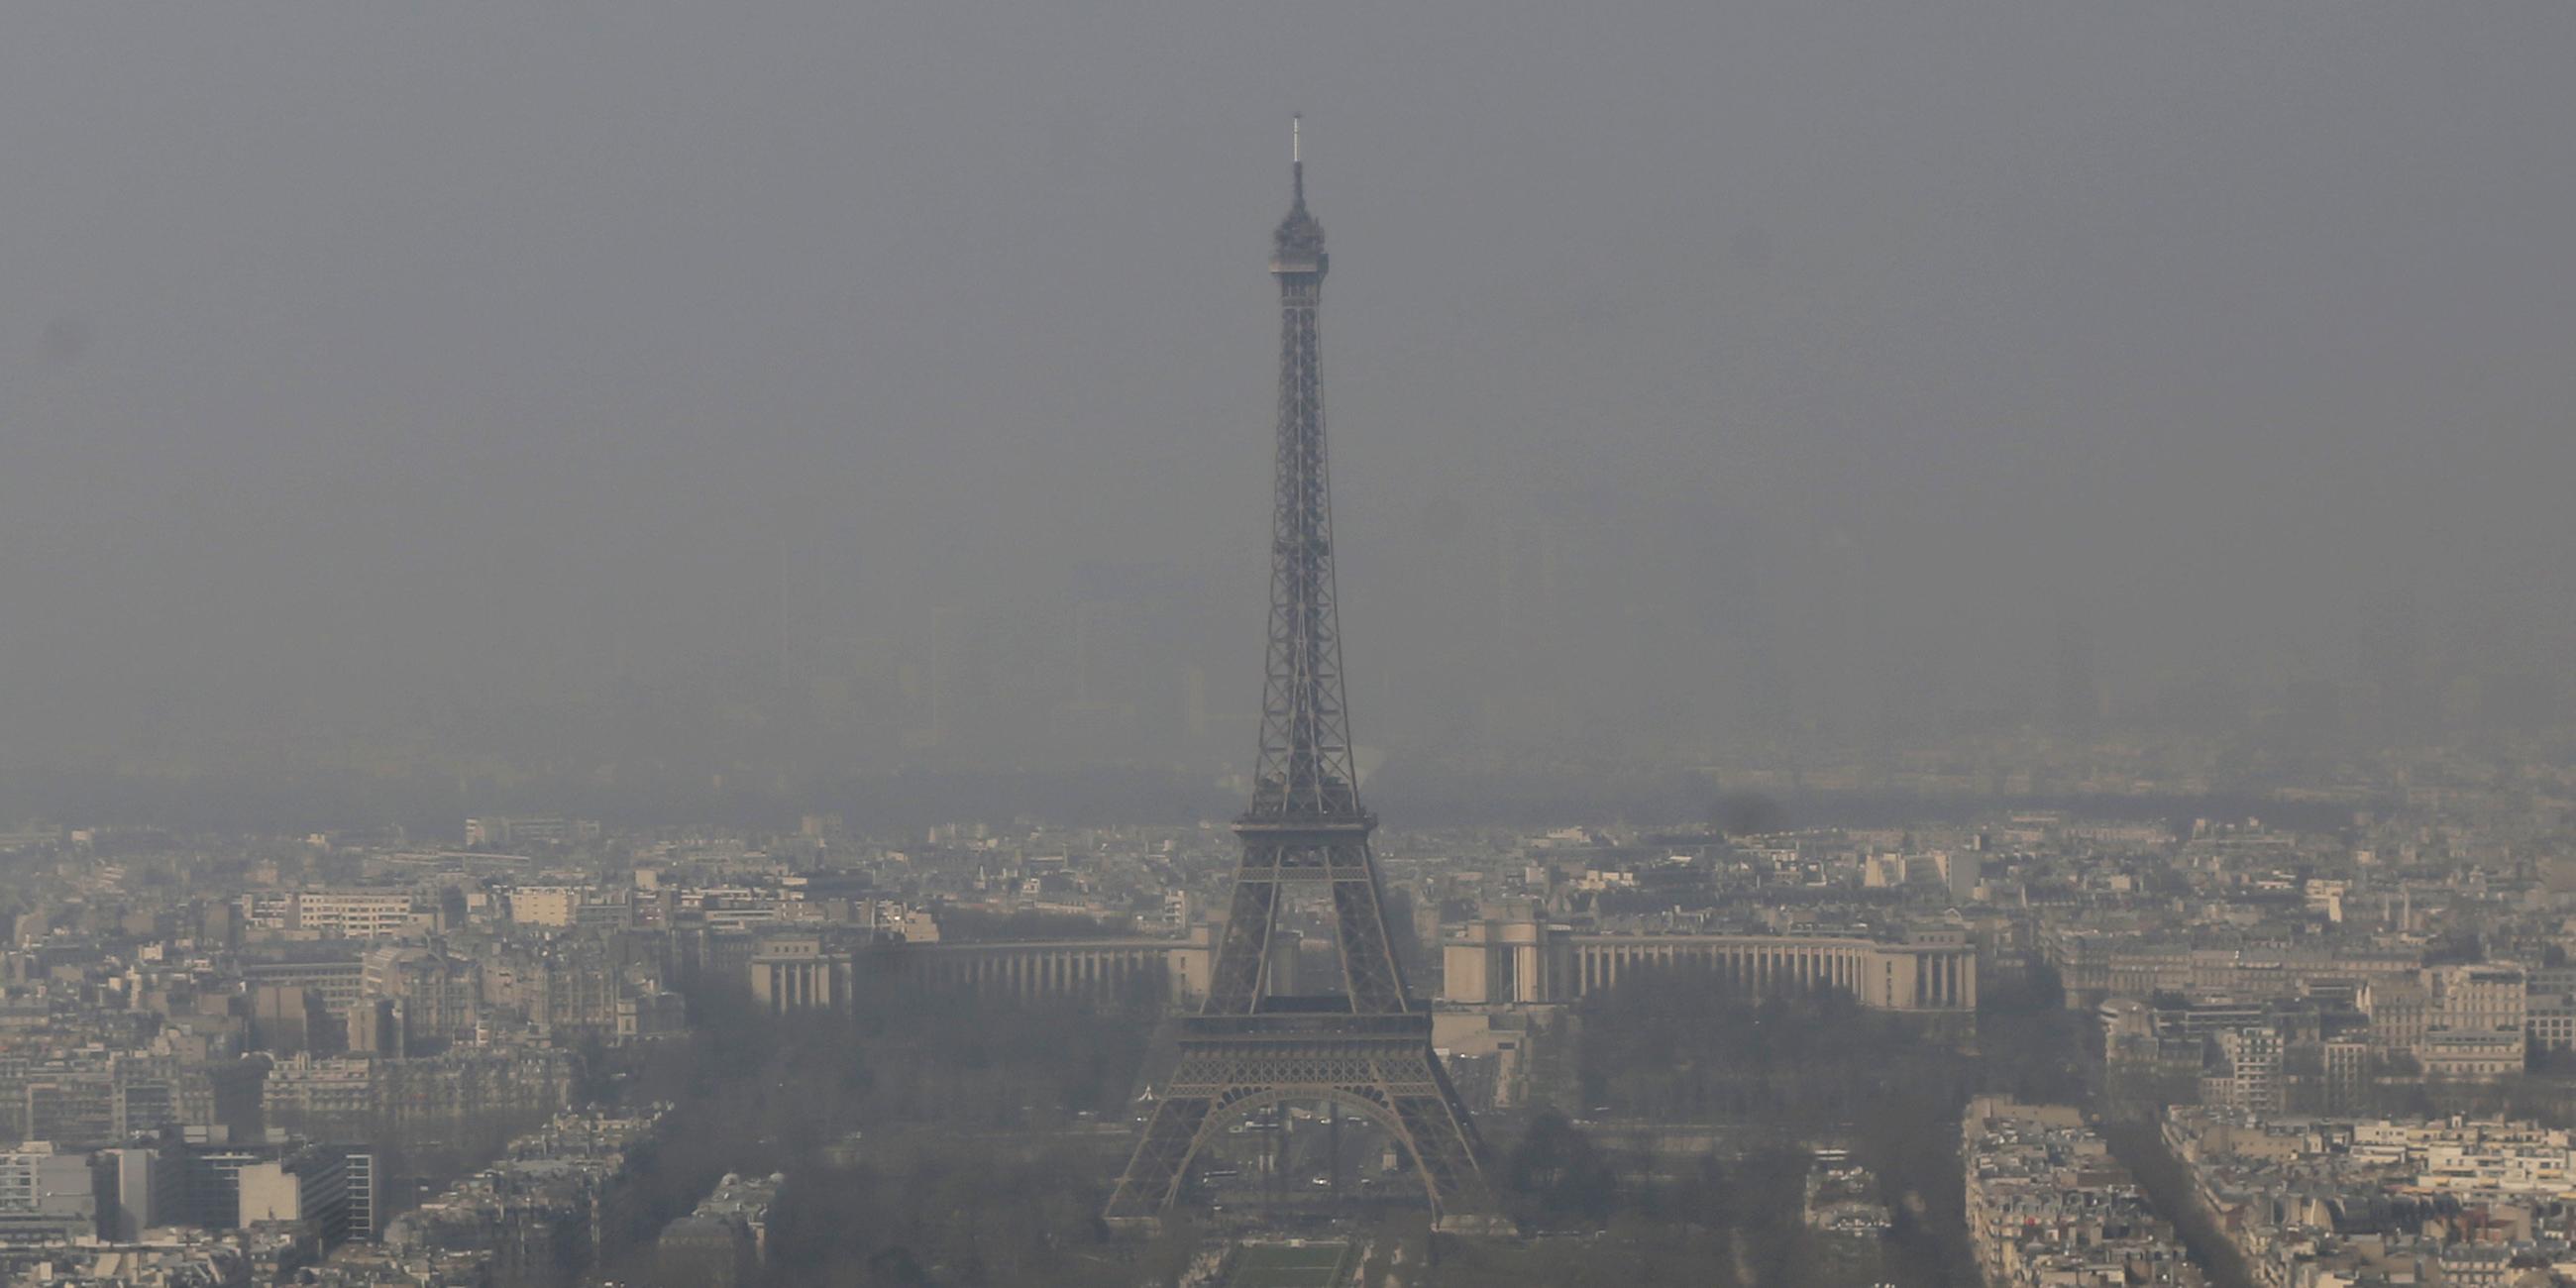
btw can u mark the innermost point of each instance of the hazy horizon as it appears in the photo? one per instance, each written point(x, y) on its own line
point(832, 390)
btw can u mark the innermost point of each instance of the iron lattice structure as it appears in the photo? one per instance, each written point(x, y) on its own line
point(1368, 1049)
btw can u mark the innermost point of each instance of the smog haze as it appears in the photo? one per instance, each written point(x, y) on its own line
point(604, 398)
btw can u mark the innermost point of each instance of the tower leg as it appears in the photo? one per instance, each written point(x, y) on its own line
point(1445, 1146)
point(1153, 1176)
point(1400, 1087)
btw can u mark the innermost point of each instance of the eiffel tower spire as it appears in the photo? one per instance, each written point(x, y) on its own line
point(1305, 823)
point(1305, 767)
point(1369, 1048)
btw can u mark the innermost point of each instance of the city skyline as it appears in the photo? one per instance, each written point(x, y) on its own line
point(627, 646)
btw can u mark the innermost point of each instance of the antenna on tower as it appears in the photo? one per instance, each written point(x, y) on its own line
point(1297, 156)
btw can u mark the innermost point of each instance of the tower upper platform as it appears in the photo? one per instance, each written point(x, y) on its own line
point(1298, 244)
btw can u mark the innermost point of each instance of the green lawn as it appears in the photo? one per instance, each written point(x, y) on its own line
point(1280, 1265)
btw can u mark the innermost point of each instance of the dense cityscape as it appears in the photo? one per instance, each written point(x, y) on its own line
point(627, 646)
point(2029, 1044)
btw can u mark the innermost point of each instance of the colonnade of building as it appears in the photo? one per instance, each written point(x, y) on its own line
point(1034, 971)
point(1891, 976)
point(1761, 967)
point(1514, 959)
point(1491, 962)
point(799, 985)
point(800, 972)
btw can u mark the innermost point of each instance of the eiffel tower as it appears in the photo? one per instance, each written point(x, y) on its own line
point(1369, 1049)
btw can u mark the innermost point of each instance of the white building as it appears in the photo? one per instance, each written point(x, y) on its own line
point(355, 914)
point(46, 1195)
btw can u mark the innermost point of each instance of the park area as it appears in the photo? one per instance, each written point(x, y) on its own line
point(1292, 1265)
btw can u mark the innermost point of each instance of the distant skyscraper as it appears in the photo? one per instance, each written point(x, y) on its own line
point(1194, 709)
point(2079, 697)
point(2394, 663)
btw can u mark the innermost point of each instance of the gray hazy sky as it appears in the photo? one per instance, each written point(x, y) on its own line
point(1691, 365)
